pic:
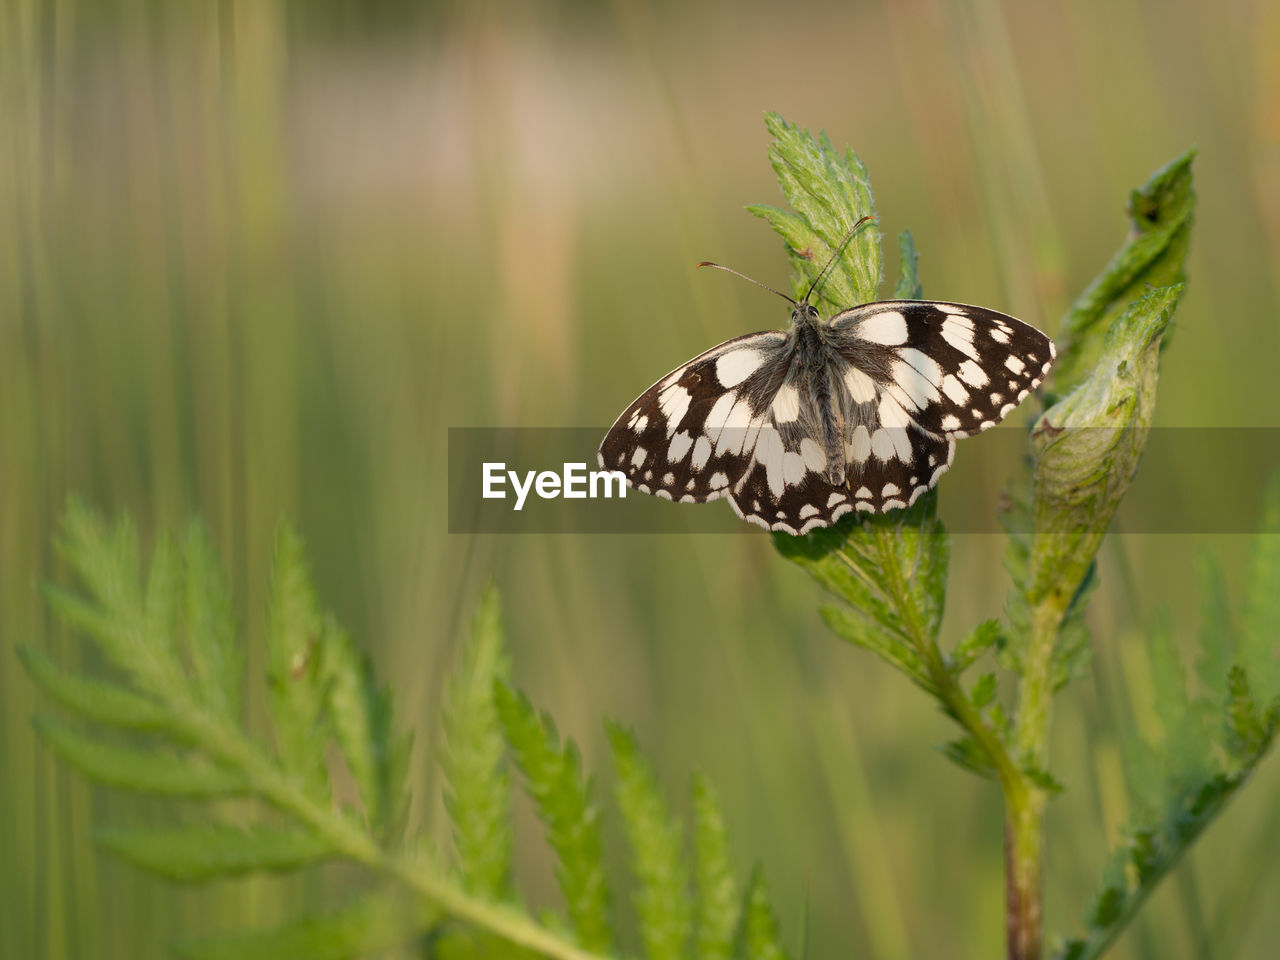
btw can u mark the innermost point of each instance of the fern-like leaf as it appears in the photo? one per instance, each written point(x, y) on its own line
point(553, 779)
point(478, 786)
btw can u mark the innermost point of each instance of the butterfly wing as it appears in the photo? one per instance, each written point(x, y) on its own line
point(690, 436)
point(951, 369)
point(880, 460)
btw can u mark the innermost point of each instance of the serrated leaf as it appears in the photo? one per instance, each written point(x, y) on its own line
point(216, 660)
point(478, 796)
point(984, 691)
point(196, 853)
point(828, 192)
point(891, 570)
point(93, 699)
point(759, 934)
point(1153, 255)
point(375, 922)
point(112, 609)
point(362, 718)
point(909, 286)
point(871, 636)
point(656, 840)
point(553, 780)
point(717, 907)
point(297, 695)
point(980, 639)
point(143, 771)
point(965, 752)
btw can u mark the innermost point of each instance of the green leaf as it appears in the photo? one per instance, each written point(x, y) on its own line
point(478, 796)
point(1218, 629)
point(909, 286)
point(984, 692)
point(759, 935)
point(965, 753)
point(94, 699)
point(553, 780)
point(297, 695)
point(1153, 255)
point(370, 925)
point(1259, 648)
point(662, 900)
point(891, 570)
point(143, 771)
point(197, 853)
point(981, 638)
point(1087, 446)
point(216, 660)
point(362, 719)
point(717, 898)
point(829, 193)
point(113, 610)
point(863, 633)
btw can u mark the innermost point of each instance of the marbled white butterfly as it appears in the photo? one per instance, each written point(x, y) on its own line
point(858, 412)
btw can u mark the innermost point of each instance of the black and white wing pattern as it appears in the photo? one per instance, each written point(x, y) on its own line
point(954, 369)
point(857, 413)
point(683, 438)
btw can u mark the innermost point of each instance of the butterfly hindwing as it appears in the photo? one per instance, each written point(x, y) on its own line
point(953, 369)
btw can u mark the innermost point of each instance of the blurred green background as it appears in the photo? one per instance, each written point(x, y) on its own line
point(256, 257)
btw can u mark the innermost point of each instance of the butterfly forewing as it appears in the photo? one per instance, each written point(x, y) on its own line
point(953, 369)
point(684, 437)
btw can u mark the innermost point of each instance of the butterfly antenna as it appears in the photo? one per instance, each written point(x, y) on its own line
point(817, 281)
point(708, 263)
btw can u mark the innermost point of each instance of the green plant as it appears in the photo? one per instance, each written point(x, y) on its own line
point(174, 705)
point(891, 571)
point(169, 721)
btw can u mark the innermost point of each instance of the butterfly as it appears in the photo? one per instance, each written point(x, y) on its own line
point(859, 412)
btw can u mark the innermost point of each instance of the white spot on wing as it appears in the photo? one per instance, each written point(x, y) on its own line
point(861, 388)
point(719, 481)
point(972, 374)
point(882, 444)
point(680, 445)
point(999, 336)
point(637, 458)
point(808, 510)
point(792, 467)
point(834, 499)
point(890, 490)
point(812, 454)
point(860, 444)
point(863, 493)
point(954, 390)
point(701, 453)
point(888, 327)
point(769, 452)
point(719, 413)
point(674, 401)
point(950, 422)
point(735, 428)
point(786, 405)
point(892, 414)
point(1014, 363)
point(958, 331)
point(901, 443)
point(736, 365)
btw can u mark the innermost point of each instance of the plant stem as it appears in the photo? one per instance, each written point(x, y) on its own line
point(1024, 812)
point(1024, 799)
point(229, 747)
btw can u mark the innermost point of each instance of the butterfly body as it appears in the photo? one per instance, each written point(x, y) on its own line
point(857, 412)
